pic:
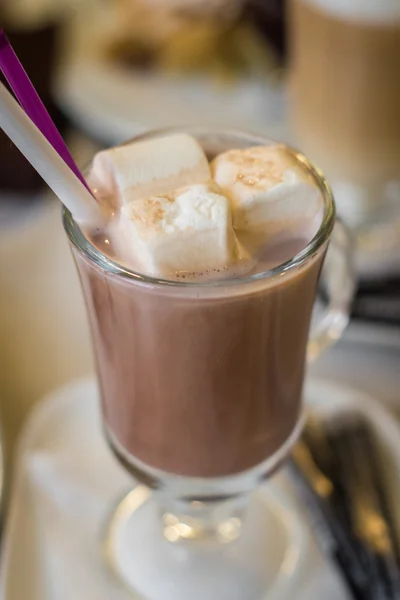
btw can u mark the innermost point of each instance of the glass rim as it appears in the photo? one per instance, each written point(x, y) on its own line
point(84, 246)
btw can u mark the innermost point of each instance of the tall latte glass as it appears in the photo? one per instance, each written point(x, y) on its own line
point(345, 90)
point(201, 389)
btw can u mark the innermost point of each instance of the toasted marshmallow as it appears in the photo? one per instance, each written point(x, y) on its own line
point(188, 231)
point(268, 190)
point(148, 168)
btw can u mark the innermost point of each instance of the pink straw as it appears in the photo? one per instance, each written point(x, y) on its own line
point(30, 101)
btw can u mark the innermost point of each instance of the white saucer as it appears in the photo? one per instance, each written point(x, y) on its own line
point(113, 104)
point(67, 483)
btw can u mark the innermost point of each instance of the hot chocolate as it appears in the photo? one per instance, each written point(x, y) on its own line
point(201, 373)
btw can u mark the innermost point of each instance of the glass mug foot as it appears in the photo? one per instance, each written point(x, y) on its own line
point(152, 560)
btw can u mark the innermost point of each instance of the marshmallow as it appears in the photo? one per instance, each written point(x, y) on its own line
point(268, 190)
point(148, 168)
point(188, 231)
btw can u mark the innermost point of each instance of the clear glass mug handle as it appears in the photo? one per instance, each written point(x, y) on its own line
point(335, 293)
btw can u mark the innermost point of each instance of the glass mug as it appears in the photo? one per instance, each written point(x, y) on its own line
point(201, 390)
point(345, 93)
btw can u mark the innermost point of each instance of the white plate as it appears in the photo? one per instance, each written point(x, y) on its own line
point(67, 481)
point(113, 103)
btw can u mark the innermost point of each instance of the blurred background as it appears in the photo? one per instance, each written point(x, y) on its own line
point(108, 69)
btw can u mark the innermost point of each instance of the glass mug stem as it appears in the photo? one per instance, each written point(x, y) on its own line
point(212, 520)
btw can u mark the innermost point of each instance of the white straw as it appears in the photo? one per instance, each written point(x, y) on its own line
point(46, 160)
